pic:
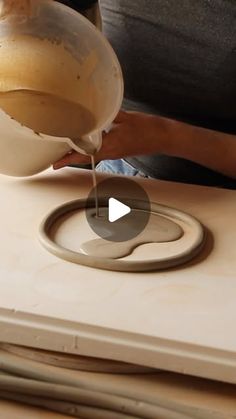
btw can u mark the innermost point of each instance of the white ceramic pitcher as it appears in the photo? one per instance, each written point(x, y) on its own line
point(47, 47)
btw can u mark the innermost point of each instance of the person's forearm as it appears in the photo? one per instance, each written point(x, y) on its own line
point(212, 149)
point(135, 133)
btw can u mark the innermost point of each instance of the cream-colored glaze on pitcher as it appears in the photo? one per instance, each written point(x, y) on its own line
point(40, 64)
point(75, 68)
point(44, 113)
point(47, 114)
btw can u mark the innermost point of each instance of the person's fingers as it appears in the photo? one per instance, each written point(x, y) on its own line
point(111, 148)
point(71, 158)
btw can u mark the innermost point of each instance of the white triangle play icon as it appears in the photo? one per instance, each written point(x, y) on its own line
point(117, 210)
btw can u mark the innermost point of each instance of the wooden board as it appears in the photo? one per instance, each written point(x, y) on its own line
point(180, 320)
point(75, 362)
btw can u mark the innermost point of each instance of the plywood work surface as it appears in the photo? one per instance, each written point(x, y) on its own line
point(180, 320)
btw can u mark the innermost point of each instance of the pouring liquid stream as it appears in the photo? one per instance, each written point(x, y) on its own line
point(95, 186)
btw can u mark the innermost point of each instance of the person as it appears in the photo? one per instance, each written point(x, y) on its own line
point(178, 120)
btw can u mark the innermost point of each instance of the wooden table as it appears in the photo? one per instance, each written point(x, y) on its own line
point(180, 320)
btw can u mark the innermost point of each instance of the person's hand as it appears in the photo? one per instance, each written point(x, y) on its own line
point(136, 133)
point(132, 133)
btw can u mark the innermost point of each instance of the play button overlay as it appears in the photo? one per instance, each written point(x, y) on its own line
point(119, 218)
point(117, 210)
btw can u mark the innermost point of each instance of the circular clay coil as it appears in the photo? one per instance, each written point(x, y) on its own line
point(184, 253)
point(75, 362)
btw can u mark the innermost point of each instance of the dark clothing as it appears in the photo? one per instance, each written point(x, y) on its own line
point(78, 5)
point(178, 60)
